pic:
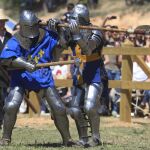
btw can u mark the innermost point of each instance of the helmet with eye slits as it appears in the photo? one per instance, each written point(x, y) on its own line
point(81, 14)
point(29, 24)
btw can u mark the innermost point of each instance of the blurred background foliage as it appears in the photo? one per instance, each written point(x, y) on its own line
point(7, 4)
point(102, 9)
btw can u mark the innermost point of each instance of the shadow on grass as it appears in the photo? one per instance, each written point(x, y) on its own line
point(107, 143)
point(56, 145)
point(46, 145)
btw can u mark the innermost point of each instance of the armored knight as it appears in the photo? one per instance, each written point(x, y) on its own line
point(87, 79)
point(29, 46)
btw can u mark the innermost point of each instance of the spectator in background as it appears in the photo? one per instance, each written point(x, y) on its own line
point(66, 15)
point(84, 2)
point(90, 3)
point(120, 39)
point(114, 73)
point(4, 78)
point(146, 99)
point(107, 19)
point(93, 3)
point(147, 41)
point(139, 40)
point(62, 72)
point(113, 65)
point(139, 75)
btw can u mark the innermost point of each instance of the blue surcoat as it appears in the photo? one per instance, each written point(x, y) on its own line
point(90, 73)
point(41, 53)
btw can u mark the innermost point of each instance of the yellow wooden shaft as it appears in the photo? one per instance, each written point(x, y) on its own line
point(55, 63)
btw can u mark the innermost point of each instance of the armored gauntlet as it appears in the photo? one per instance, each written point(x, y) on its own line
point(53, 24)
point(21, 63)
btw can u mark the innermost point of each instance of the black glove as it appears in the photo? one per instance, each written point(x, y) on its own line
point(53, 24)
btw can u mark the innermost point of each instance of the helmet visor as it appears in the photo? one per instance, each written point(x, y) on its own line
point(29, 31)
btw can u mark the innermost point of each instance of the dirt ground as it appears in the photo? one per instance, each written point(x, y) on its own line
point(39, 133)
point(40, 121)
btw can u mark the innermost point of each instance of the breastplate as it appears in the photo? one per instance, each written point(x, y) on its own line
point(86, 34)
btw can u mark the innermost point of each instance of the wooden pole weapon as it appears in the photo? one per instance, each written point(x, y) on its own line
point(143, 29)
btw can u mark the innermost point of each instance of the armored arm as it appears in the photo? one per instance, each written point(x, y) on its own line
point(87, 41)
point(18, 63)
point(63, 43)
point(94, 41)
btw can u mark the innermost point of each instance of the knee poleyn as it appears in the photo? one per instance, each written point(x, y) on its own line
point(75, 113)
point(60, 111)
point(90, 108)
point(11, 108)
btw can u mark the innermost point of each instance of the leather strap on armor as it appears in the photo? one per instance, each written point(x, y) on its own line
point(86, 58)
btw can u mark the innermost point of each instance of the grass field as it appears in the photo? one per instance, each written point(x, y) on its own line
point(40, 134)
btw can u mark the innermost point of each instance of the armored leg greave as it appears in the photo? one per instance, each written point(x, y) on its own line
point(11, 107)
point(76, 112)
point(93, 94)
point(81, 125)
point(59, 113)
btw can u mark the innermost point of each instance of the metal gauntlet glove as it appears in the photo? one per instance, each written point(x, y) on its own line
point(53, 24)
point(75, 31)
point(21, 63)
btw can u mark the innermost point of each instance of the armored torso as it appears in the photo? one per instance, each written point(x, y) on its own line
point(40, 53)
point(91, 69)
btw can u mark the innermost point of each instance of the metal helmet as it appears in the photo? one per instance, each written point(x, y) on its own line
point(81, 14)
point(29, 24)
